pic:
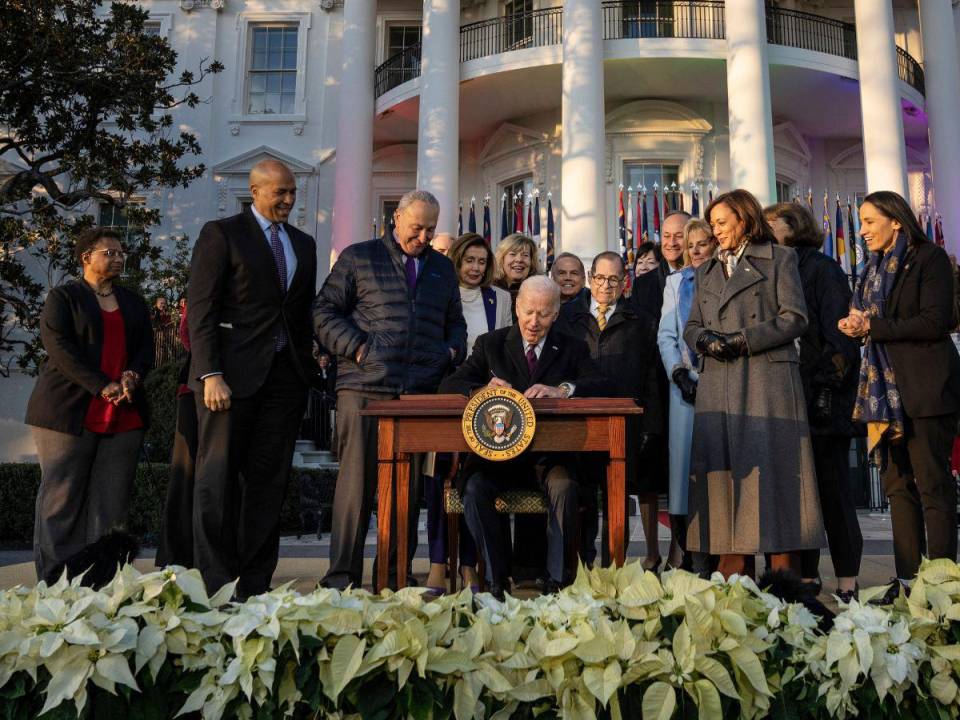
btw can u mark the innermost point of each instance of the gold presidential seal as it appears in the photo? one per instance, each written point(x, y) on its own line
point(498, 423)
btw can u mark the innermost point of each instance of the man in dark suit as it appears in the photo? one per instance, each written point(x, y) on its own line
point(252, 280)
point(623, 343)
point(390, 311)
point(541, 364)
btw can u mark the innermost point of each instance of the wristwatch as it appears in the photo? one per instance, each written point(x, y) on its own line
point(567, 388)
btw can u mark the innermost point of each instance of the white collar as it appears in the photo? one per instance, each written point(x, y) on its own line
point(263, 222)
point(594, 305)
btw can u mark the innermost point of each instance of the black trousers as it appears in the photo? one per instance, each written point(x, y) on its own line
point(176, 537)
point(922, 492)
point(563, 497)
point(243, 466)
point(831, 454)
point(356, 489)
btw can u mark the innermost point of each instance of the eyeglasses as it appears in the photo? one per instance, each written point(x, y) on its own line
point(111, 253)
point(607, 279)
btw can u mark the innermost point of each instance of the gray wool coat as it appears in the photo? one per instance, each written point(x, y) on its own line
point(753, 486)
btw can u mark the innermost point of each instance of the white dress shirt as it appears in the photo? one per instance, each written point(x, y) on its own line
point(594, 306)
point(288, 253)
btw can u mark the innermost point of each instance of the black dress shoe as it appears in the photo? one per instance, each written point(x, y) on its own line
point(892, 593)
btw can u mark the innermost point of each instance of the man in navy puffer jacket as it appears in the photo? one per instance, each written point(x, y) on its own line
point(390, 311)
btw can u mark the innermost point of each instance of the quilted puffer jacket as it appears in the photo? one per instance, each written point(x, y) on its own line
point(407, 335)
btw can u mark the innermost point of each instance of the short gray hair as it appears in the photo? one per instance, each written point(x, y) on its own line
point(417, 196)
point(540, 284)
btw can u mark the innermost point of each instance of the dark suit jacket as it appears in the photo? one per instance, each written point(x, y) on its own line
point(500, 353)
point(237, 306)
point(916, 333)
point(626, 353)
point(71, 329)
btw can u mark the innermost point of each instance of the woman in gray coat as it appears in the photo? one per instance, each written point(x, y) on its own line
point(753, 487)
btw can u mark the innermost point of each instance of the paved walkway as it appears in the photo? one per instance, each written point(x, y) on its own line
point(304, 560)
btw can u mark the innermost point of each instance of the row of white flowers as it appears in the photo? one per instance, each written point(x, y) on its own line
point(618, 643)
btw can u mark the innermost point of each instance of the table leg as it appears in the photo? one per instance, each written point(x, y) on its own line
point(617, 489)
point(403, 516)
point(384, 500)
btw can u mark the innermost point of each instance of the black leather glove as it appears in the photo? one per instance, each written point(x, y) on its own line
point(737, 344)
point(688, 386)
point(822, 406)
point(713, 344)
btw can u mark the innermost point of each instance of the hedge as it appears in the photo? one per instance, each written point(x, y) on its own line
point(308, 488)
point(618, 643)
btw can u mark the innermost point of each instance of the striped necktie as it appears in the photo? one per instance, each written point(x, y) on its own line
point(602, 316)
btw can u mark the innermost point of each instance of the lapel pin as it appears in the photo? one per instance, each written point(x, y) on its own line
point(554, 347)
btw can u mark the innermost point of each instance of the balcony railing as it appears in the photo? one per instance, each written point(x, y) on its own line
point(698, 19)
point(811, 32)
point(910, 71)
point(539, 28)
point(627, 19)
point(397, 70)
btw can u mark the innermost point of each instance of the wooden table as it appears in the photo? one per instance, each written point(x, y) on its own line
point(431, 423)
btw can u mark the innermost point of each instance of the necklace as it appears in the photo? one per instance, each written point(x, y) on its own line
point(97, 292)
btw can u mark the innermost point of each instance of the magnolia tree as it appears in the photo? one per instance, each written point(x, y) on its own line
point(86, 94)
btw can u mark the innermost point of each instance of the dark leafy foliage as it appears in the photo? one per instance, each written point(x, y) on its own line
point(85, 107)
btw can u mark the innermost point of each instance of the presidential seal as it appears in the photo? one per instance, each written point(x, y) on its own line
point(498, 423)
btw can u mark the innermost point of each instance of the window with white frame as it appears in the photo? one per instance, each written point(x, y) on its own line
point(402, 42)
point(786, 190)
point(639, 174)
point(518, 192)
point(272, 69)
point(153, 28)
point(519, 28)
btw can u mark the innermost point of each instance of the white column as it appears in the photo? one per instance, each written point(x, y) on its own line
point(752, 164)
point(438, 137)
point(942, 76)
point(582, 224)
point(884, 149)
point(352, 219)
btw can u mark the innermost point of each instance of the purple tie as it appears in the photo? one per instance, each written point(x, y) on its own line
point(281, 262)
point(411, 265)
point(532, 360)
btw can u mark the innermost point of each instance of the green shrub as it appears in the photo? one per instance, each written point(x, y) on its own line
point(19, 483)
point(161, 388)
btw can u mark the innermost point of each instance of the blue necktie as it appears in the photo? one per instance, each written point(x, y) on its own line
point(281, 262)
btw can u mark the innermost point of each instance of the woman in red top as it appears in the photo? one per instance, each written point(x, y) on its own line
point(87, 408)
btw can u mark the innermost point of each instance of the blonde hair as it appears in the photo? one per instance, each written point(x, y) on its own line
point(694, 225)
point(515, 242)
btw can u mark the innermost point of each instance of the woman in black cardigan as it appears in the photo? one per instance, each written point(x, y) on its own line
point(87, 408)
point(909, 393)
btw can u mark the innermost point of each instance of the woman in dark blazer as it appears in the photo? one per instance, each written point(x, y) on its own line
point(87, 408)
point(909, 394)
point(753, 487)
point(829, 368)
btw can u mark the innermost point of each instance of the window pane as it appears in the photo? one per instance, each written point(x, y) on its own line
point(271, 102)
point(289, 82)
point(256, 104)
point(290, 58)
point(286, 105)
point(258, 83)
point(273, 82)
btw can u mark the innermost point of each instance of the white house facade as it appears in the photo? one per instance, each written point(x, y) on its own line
point(366, 99)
